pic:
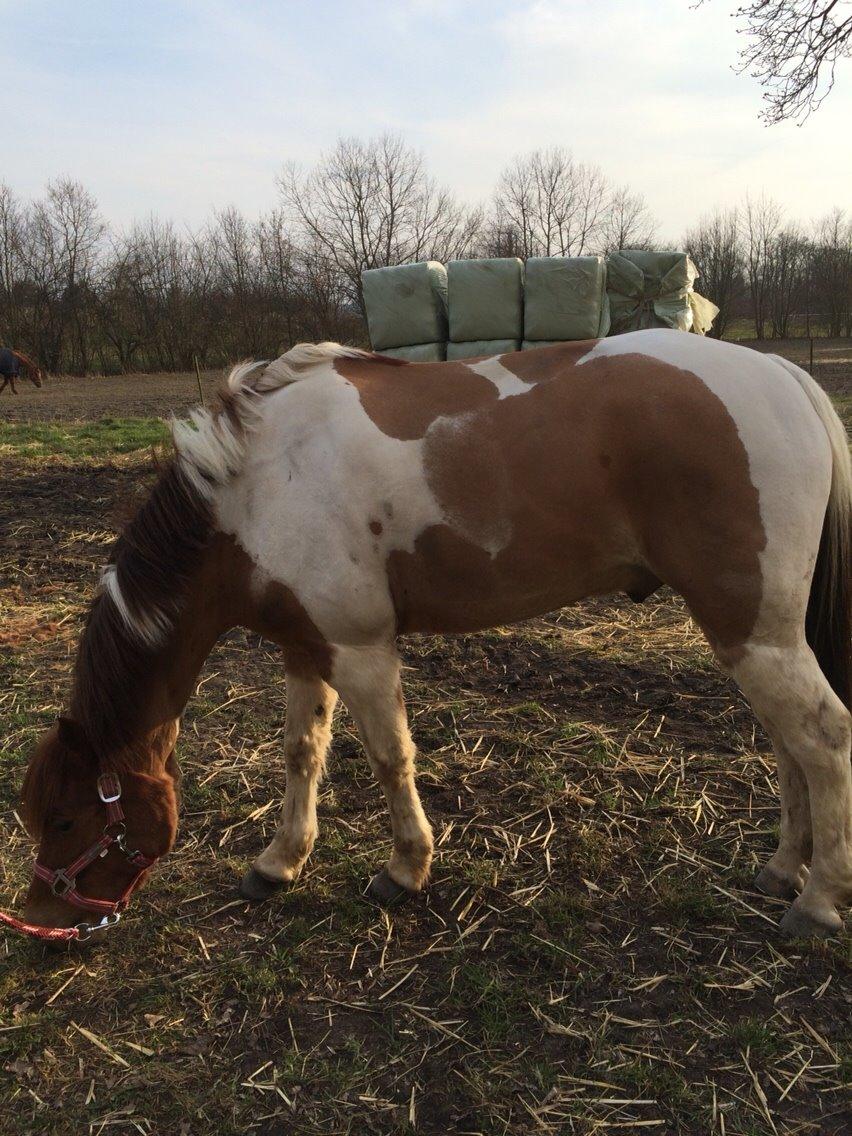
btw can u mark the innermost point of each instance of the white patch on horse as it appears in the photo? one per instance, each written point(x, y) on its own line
point(789, 455)
point(318, 471)
point(151, 628)
point(507, 384)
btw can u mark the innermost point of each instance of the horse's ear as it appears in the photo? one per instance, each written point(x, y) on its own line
point(71, 734)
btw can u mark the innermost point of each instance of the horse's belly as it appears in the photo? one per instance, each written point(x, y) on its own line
point(448, 584)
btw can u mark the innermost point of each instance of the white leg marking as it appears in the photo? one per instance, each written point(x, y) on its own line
point(307, 734)
point(368, 681)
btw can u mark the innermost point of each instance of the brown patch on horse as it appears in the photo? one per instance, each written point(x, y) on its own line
point(376, 528)
point(404, 406)
point(609, 476)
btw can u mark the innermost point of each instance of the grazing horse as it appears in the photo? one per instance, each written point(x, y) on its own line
point(10, 369)
point(337, 499)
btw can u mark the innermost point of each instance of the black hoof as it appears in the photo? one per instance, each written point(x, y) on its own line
point(386, 892)
point(256, 887)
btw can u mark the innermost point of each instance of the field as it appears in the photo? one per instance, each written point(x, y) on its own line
point(590, 956)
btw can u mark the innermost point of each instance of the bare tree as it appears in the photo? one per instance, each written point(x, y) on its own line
point(371, 204)
point(831, 271)
point(627, 222)
point(12, 224)
point(792, 50)
point(761, 223)
point(551, 204)
point(715, 246)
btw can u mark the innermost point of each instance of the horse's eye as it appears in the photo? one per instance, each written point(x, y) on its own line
point(62, 825)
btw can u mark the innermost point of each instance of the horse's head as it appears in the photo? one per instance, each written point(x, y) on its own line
point(36, 376)
point(66, 812)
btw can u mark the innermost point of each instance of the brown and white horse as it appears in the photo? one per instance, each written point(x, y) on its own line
point(11, 365)
point(338, 499)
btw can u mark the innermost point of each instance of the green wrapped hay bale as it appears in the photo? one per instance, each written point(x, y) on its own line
point(419, 352)
point(486, 347)
point(650, 289)
point(486, 299)
point(406, 304)
point(565, 298)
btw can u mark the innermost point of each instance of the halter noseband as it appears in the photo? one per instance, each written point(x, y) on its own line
point(63, 881)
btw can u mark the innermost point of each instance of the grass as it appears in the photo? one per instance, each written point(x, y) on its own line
point(77, 440)
point(590, 956)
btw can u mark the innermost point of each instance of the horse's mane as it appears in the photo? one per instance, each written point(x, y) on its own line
point(131, 617)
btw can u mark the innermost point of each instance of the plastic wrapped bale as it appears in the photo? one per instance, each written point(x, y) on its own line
point(650, 289)
point(565, 298)
point(419, 352)
point(406, 304)
point(486, 302)
point(487, 347)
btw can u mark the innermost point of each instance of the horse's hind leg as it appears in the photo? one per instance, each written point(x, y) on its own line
point(307, 734)
point(796, 704)
point(368, 681)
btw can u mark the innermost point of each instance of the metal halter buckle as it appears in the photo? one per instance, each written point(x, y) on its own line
point(61, 880)
point(108, 781)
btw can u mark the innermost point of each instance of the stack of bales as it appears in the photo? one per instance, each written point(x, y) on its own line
point(407, 310)
point(486, 304)
point(655, 289)
point(489, 307)
point(564, 298)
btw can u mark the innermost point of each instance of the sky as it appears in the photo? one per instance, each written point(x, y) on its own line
point(177, 108)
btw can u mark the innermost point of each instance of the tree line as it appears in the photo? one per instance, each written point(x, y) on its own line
point(82, 297)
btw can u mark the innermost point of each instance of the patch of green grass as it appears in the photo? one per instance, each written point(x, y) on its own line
point(763, 1042)
point(654, 1080)
point(82, 439)
point(688, 901)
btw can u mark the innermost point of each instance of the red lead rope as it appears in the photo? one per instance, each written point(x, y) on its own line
point(63, 881)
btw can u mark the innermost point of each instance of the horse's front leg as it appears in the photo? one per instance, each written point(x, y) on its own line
point(368, 681)
point(307, 734)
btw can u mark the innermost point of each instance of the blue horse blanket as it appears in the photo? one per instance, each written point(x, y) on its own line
point(10, 364)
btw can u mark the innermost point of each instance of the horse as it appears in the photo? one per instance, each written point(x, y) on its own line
point(10, 369)
point(336, 499)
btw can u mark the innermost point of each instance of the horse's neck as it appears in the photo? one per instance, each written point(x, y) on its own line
point(26, 360)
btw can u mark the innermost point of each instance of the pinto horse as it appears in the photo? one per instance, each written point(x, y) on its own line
point(337, 499)
point(11, 363)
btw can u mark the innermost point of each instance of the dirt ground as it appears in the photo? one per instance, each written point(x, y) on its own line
point(590, 956)
point(67, 397)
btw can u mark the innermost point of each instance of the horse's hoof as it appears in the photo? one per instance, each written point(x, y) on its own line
point(770, 883)
point(799, 924)
point(256, 887)
point(386, 892)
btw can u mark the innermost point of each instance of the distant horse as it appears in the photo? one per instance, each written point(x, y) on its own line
point(338, 498)
point(11, 363)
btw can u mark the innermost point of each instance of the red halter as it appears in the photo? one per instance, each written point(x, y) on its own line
point(63, 881)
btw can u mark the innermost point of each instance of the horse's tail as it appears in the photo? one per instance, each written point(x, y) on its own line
point(829, 618)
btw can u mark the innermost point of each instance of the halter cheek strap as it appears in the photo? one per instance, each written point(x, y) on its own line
point(63, 881)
